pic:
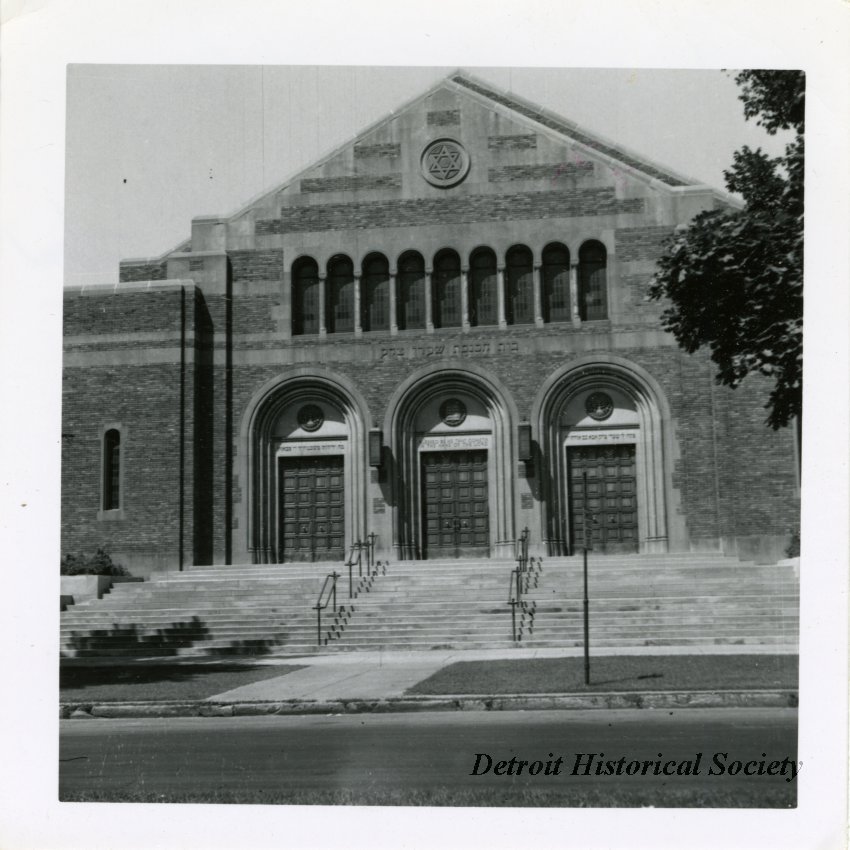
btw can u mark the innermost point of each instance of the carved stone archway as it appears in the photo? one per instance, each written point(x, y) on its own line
point(426, 387)
point(302, 391)
point(649, 431)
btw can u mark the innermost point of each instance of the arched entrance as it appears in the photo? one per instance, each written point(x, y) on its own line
point(451, 439)
point(603, 434)
point(303, 450)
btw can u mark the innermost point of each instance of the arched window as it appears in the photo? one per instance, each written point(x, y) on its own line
point(519, 273)
point(375, 294)
point(411, 292)
point(340, 307)
point(483, 288)
point(447, 290)
point(556, 284)
point(305, 297)
point(112, 470)
point(592, 283)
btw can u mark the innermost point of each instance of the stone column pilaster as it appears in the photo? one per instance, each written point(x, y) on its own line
point(323, 302)
point(358, 328)
point(538, 296)
point(429, 300)
point(574, 294)
point(464, 298)
point(500, 297)
point(393, 302)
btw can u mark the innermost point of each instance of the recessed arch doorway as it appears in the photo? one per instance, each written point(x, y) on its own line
point(451, 438)
point(603, 426)
point(303, 462)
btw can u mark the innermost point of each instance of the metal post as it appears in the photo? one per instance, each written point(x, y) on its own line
point(350, 568)
point(585, 531)
point(513, 619)
point(335, 577)
point(372, 537)
point(319, 624)
point(586, 623)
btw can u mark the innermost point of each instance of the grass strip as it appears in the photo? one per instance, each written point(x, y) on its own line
point(612, 673)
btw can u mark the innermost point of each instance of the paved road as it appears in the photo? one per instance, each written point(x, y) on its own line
point(423, 750)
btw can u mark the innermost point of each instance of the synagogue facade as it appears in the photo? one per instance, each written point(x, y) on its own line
point(438, 334)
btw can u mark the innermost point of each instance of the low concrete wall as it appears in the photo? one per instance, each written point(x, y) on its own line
point(84, 587)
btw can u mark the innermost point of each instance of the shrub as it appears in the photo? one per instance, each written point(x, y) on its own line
point(793, 550)
point(99, 564)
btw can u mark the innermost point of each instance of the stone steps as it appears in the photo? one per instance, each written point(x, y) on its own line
point(640, 600)
point(221, 611)
point(366, 622)
point(635, 601)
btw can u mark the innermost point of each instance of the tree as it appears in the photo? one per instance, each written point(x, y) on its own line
point(734, 278)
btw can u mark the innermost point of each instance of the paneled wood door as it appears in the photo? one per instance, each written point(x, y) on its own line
point(455, 508)
point(311, 504)
point(611, 497)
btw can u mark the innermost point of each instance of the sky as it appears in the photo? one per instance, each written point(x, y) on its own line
point(149, 147)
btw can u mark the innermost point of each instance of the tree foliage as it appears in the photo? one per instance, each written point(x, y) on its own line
point(99, 564)
point(734, 278)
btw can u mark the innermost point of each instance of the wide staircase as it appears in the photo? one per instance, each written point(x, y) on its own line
point(635, 601)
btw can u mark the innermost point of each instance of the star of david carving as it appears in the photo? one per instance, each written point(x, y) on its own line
point(444, 162)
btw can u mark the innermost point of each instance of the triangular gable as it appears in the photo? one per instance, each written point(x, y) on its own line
point(524, 113)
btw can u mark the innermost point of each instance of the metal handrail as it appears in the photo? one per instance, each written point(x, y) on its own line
point(356, 557)
point(371, 537)
point(521, 550)
point(517, 576)
point(327, 593)
point(352, 560)
point(514, 596)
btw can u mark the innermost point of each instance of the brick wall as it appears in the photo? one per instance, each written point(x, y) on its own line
point(351, 183)
point(756, 470)
point(124, 312)
point(253, 313)
point(421, 211)
point(146, 401)
point(641, 243)
point(512, 143)
point(159, 409)
point(131, 272)
point(548, 171)
point(255, 265)
point(388, 150)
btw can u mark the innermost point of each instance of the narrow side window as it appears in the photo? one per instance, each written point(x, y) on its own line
point(112, 470)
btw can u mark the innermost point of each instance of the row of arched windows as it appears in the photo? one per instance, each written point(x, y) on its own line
point(492, 295)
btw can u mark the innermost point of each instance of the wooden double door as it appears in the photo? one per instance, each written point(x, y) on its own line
point(455, 504)
point(312, 508)
point(602, 489)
